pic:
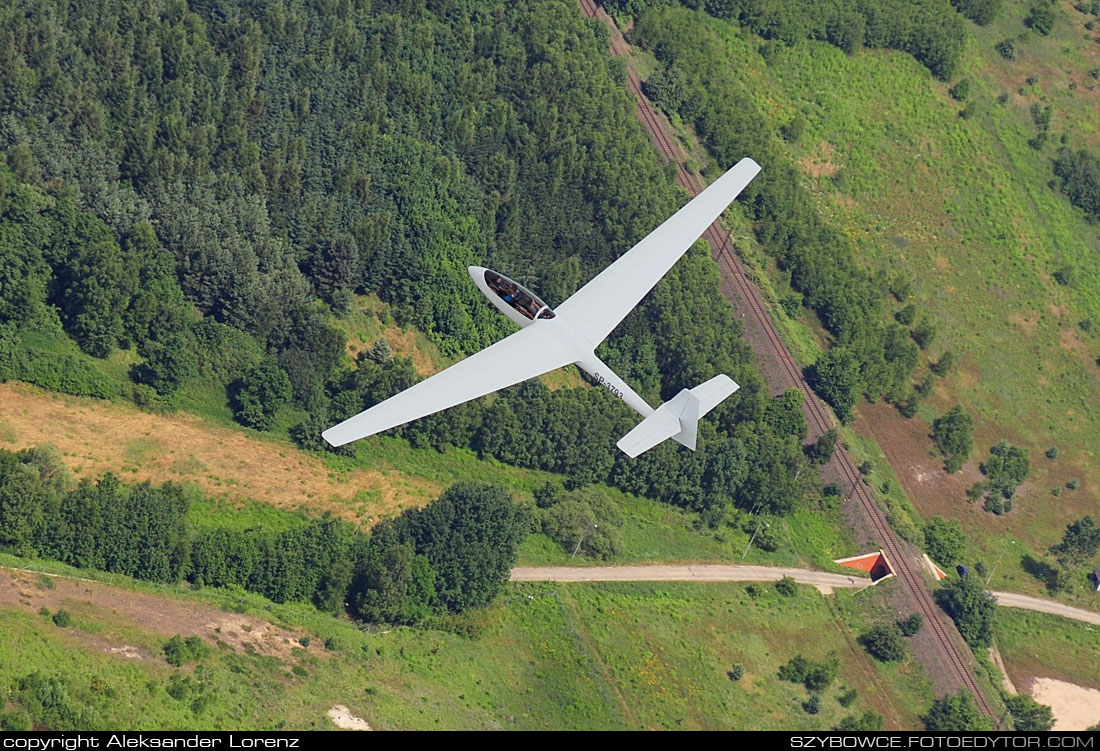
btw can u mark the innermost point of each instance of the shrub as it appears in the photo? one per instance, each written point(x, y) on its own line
point(884, 643)
point(62, 618)
point(952, 434)
point(971, 607)
point(944, 540)
point(943, 366)
point(1028, 714)
point(737, 672)
point(847, 698)
point(178, 650)
point(960, 91)
point(791, 304)
point(911, 624)
point(786, 586)
point(1073, 484)
point(954, 712)
point(1066, 275)
point(1052, 452)
point(1041, 18)
point(299, 671)
point(1007, 49)
point(869, 720)
point(305, 641)
point(906, 315)
point(812, 705)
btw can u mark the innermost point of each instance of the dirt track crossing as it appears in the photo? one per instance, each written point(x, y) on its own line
point(947, 640)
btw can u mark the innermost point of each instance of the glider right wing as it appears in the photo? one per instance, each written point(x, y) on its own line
point(525, 354)
point(599, 306)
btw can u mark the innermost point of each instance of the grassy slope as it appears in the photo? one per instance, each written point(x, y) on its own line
point(548, 656)
point(962, 206)
point(1041, 645)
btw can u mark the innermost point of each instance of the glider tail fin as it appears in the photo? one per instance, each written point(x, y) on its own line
point(678, 418)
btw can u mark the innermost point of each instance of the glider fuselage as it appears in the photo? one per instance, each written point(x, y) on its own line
point(525, 308)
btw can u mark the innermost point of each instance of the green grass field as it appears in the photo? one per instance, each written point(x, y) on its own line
point(962, 206)
point(1041, 645)
point(545, 656)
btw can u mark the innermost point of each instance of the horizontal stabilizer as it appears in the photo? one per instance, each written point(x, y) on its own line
point(678, 418)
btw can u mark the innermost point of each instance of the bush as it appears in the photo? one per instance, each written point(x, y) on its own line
point(944, 540)
point(971, 607)
point(259, 393)
point(178, 650)
point(943, 366)
point(1052, 452)
point(960, 91)
point(884, 643)
point(1073, 484)
point(981, 12)
point(1065, 275)
point(299, 671)
point(786, 586)
point(911, 624)
point(812, 705)
point(847, 698)
point(906, 315)
point(869, 720)
point(953, 435)
point(1007, 49)
point(791, 304)
point(955, 712)
point(924, 333)
point(1041, 18)
point(62, 618)
point(1028, 714)
point(737, 672)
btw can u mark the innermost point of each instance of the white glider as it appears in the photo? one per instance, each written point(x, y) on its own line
point(551, 339)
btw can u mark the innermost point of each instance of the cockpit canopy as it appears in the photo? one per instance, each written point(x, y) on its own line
point(519, 297)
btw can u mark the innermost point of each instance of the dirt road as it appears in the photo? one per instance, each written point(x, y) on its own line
point(826, 583)
point(1013, 600)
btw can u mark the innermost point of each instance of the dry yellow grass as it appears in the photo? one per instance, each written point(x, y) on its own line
point(96, 436)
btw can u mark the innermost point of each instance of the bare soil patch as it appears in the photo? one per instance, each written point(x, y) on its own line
point(342, 717)
point(1075, 707)
point(908, 450)
point(163, 615)
point(96, 436)
point(820, 163)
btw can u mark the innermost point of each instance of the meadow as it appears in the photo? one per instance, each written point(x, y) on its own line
point(544, 656)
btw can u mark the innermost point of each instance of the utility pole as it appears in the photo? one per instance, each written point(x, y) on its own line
point(753, 538)
point(998, 563)
point(590, 524)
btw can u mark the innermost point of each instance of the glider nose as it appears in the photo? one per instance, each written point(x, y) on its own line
point(476, 272)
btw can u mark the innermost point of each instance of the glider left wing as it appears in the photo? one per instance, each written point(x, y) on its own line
point(525, 354)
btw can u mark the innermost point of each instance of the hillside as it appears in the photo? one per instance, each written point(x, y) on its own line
point(951, 203)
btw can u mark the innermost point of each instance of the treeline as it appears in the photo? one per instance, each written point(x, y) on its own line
point(452, 555)
point(1079, 175)
point(929, 30)
point(868, 358)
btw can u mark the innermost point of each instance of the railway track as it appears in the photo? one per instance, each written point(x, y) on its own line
point(911, 579)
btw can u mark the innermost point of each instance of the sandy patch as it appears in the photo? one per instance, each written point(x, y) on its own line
point(127, 651)
point(342, 717)
point(225, 463)
point(1075, 707)
point(941, 263)
point(820, 163)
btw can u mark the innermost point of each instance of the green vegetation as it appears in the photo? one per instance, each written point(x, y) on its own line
point(1040, 644)
point(178, 650)
point(884, 643)
point(911, 624)
point(944, 540)
point(452, 555)
point(953, 435)
point(671, 646)
point(1028, 714)
point(956, 712)
point(971, 607)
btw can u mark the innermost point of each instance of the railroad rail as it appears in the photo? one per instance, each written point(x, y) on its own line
point(910, 577)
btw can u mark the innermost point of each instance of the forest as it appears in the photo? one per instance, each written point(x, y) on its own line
point(204, 188)
point(452, 555)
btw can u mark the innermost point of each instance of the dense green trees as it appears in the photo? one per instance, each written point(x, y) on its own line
point(452, 555)
point(1028, 714)
point(953, 435)
point(971, 607)
point(1080, 543)
point(884, 643)
point(1079, 173)
point(955, 712)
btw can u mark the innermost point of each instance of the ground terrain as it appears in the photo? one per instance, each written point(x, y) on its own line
point(610, 655)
